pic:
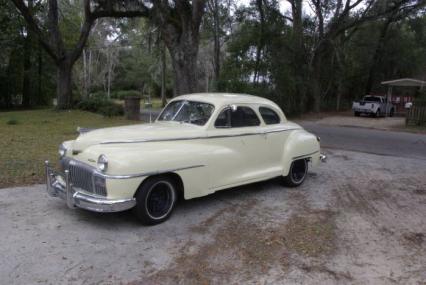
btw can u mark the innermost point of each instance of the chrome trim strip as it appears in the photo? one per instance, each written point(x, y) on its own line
point(199, 138)
point(128, 176)
point(300, 156)
point(149, 173)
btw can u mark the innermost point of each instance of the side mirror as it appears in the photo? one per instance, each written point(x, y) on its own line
point(234, 108)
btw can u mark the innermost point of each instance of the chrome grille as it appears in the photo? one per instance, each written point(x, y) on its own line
point(82, 177)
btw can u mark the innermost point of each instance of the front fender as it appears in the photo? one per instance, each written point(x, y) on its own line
point(187, 159)
point(300, 144)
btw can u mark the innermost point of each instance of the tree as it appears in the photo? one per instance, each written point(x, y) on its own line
point(53, 44)
point(179, 22)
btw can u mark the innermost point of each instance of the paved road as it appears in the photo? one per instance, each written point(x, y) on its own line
point(369, 140)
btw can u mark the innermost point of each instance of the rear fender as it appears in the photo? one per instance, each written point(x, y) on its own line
point(300, 144)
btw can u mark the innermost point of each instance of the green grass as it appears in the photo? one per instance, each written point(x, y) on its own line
point(28, 138)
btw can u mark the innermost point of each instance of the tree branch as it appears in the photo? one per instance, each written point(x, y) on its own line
point(33, 26)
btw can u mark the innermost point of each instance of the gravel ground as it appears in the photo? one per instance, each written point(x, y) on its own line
point(358, 219)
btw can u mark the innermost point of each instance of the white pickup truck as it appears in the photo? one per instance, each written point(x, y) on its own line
point(373, 105)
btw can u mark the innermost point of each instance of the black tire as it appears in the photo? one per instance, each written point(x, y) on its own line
point(155, 200)
point(377, 115)
point(297, 173)
point(356, 114)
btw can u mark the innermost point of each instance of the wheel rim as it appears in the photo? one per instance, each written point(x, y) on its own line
point(298, 170)
point(160, 199)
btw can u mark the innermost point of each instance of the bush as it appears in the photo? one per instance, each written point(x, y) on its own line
point(121, 94)
point(98, 95)
point(12, 122)
point(102, 106)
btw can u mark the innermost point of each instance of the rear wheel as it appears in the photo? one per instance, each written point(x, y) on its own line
point(377, 114)
point(155, 200)
point(297, 173)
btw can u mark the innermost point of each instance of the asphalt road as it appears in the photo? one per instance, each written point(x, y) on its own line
point(372, 141)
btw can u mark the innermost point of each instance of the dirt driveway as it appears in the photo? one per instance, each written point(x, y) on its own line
point(358, 219)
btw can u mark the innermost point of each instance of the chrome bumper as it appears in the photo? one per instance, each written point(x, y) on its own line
point(59, 185)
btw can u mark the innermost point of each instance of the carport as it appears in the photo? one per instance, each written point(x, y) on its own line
point(403, 82)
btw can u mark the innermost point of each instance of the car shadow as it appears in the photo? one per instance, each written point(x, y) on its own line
point(230, 197)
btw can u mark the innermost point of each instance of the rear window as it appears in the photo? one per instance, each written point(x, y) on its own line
point(269, 116)
point(242, 117)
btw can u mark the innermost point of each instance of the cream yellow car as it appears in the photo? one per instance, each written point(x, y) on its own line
point(199, 144)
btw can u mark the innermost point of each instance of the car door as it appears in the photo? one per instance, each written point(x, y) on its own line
point(275, 135)
point(239, 152)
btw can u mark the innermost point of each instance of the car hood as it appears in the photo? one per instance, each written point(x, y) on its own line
point(138, 133)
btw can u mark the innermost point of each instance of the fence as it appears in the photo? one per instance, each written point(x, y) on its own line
point(416, 115)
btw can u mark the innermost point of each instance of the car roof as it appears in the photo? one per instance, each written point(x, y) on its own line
point(220, 99)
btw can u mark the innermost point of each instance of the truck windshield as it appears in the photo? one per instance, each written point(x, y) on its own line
point(197, 113)
point(371, 99)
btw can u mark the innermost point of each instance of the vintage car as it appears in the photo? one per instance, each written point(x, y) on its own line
point(199, 144)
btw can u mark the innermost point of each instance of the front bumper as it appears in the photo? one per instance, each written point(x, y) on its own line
point(366, 111)
point(59, 185)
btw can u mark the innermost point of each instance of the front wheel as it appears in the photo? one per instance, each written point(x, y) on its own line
point(155, 200)
point(297, 173)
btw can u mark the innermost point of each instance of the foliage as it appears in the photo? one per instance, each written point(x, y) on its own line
point(12, 122)
point(23, 153)
point(262, 51)
point(101, 105)
point(122, 94)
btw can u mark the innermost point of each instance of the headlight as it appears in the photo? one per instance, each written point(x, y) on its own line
point(102, 163)
point(62, 151)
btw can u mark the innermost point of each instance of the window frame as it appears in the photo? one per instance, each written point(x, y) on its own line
point(271, 109)
point(228, 108)
point(191, 101)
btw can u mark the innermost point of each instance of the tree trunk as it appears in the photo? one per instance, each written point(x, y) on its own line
point(26, 85)
point(377, 55)
point(64, 87)
point(316, 83)
point(184, 62)
point(40, 97)
point(163, 75)
point(260, 41)
point(216, 36)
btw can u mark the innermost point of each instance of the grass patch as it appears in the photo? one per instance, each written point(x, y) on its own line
point(24, 146)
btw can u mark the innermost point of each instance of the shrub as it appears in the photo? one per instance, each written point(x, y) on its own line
point(121, 94)
point(12, 122)
point(98, 94)
point(101, 106)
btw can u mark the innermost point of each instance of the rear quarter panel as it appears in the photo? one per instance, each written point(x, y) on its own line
point(300, 144)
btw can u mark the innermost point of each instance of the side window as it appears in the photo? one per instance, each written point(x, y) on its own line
point(224, 119)
point(241, 117)
point(269, 116)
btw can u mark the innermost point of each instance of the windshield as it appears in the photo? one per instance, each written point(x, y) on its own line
point(372, 99)
point(184, 111)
